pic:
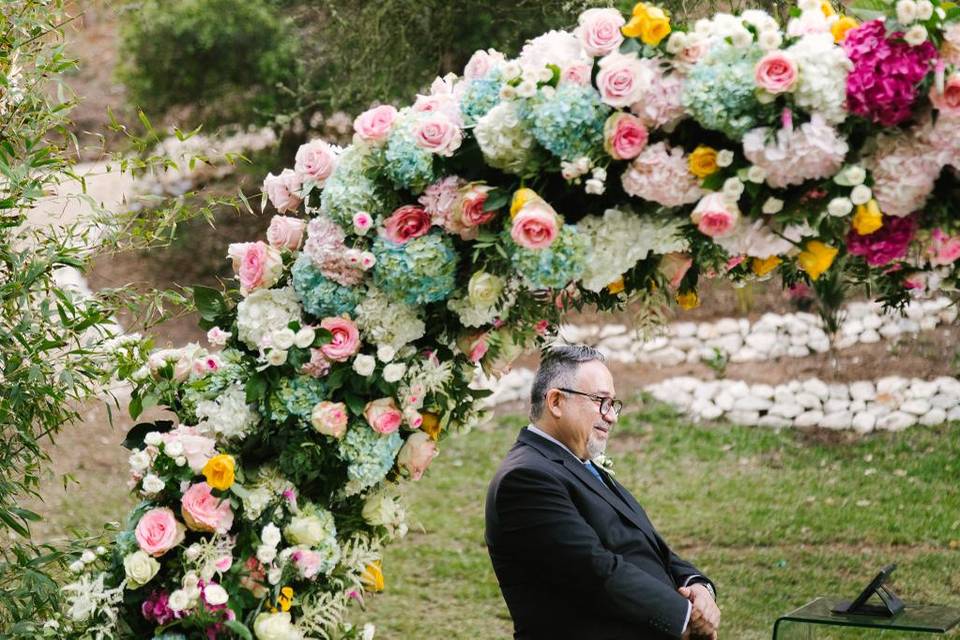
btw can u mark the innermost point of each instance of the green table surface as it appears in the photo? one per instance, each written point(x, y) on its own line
point(932, 618)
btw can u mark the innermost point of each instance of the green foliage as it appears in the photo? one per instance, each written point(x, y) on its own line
point(226, 58)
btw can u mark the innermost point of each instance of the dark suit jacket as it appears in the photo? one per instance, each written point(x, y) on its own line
point(575, 559)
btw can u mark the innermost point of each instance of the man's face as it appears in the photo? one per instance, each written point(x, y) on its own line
point(580, 424)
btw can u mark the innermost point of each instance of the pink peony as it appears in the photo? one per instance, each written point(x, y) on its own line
point(890, 242)
point(438, 134)
point(383, 416)
point(661, 174)
point(158, 531)
point(283, 190)
point(203, 511)
point(257, 265)
point(417, 453)
point(599, 31)
point(623, 79)
point(345, 341)
point(714, 216)
point(535, 226)
point(948, 100)
point(776, 72)
point(315, 161)
point(943, 249)
point(481, 63)
point(197, 448)
point(374, 124)
point(674, 266)
point(286, 232)
point(330, 418)
point(406, 223)
point(624, 136)
point(206, 364)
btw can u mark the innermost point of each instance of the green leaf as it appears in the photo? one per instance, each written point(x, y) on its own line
point(714, 182)
point(354, 403)
point(138, 432)
point(210, 303)
point(496, 199)
point(256, 387)
point(239, 628)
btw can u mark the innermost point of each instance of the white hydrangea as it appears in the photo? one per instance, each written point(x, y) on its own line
point(384, 508)
point(561, 48)
point(792, 156)
point(504, 140)
point(228, 416)
point(620, 239)
point(384, 321)
point(822, 83)
point(262, 312)
point(756, 240)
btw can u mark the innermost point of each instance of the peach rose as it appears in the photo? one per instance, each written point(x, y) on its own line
point(203, 511)
point(535, 226)
point(158, 531)
point(624, 136)
point(947, 101)
point(257, 265)
point(438, 134)
point(345, 341)
point(406, 223)
point(283, 190)
point(623, 79)
point(714, 217)
point(417, 453)
point(374, 124)
point(383, 415)
point(330, 418)
point(286, 232)
point(599, 31)
point(674, 266)
point(315, 161)
point(776, 72)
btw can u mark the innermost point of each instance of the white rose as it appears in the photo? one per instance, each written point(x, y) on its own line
point(307, 530)
point(756, 174)
point(386, 353)
point(394, 372)
point(139, 460)
point(770, 40)
point(364, 365)
point(101, 550)
point(742, 38)
point(855, 174)
point(215, 594)
point(676, 43)
point(179, 600)
point(839, 207)
point(594, 187)
point(87, 556)
point(266, 553)
point(368, 631)
point(724, 158)
point(906, 12)
point(304, 338)
point(270, 535)
point(153, 438)
point(733, 188)
point(861, 194)
point(140, 569)
point(511, 70)
point(484, 289)
point(507, 92)
point(527, 89)
point(180, 461)
point(153, 484)
point(809, 5)
point(276, 626)
point(173, 448)
point(276, 357)
point(274, 575)
point(924, 10)
point(191, 581)
point(283, 338)
point(599, 173)
point(772, 206)
point(916, 35)
point(77, 566)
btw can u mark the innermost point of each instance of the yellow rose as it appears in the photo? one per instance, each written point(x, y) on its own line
point(816, 258)
point(868, 218)
point(285, 600)
point(763, 266)
point(840, 28)
point(616, 286)
point(431, 425)
point(372, 577)
point(219, 471)
point(520, 199)
point(827, 9)
point(638, 18)
point(688, 300)
point(656, 27)
point(639, 10)
point(703, 161)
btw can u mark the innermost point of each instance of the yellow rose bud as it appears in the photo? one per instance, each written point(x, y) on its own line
point(840, 28)
point(816, 258)
point(520, 199)
point(634, 28)
point(372, 577)
point(616, 286)
point(285, 600)
point(219, 471)
point(639, 10)
point(656, 27)
point(703, 161)
point(689, 300)
point(827, 9)
point(763, 266)
point(431, 425)
point(868, 218)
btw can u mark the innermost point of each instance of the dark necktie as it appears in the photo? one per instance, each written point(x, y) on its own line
point(596, 474)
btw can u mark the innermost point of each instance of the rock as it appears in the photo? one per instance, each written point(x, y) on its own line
point(608, 330)
point(669, 357)
point(944, 401)
point(707, 330)
point(857, 405)
point(921, 389)
point(746, 354)
point(779, 350)
point(869, 336)
point(908, 326)
point(913, 310)
point(687, 384)
point(661, 392)
point(745, 418)
point(762, 342)
point(837, 420)
point(890, 385)
point(798, 351)
point(619, 342)
point(774, 421)
point(863, 390)
point(762, 390)
point(686, 344)
point(872, 321)
point(693, 357)
point(917, 406)
point(808, 318)
point(864, 422)
point(684, 329)
point(817, 387)
point(654, 344)
point(753, 403)
point(896, 421)
point(705, 390)
point(840, 391)
point(623, 355)
point(744, 325)
point(845, 342)
point(738, 388)
point(851, 328)
point(808, 419)
point(929, 323)
point(799, 339)
point(816, 333)
point(933, 417)
point(807, 400)
point(890, 330)
point(725, 400)
point(877, 409)
point(786, 410)
point(833, 405)
point(710, 411)
point(948, 315)
point(820, 345)
point(782, 395)
point(948, 385)
point(953, 414)
point(730, 342)
point(728, 325)
point(794, 327)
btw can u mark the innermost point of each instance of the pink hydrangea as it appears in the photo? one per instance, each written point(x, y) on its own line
point(904, 170)
point(793, 156)
point(440, 197)
point(886, 71)
point(661, 106)
point(326, 248)
point(890, 242)
point(660, 174)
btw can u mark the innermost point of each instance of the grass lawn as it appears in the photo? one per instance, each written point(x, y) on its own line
point(775, 519)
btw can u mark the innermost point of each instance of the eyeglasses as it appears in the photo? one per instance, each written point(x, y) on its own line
point(606, 403)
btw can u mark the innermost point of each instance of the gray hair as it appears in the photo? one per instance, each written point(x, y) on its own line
point(558, 367)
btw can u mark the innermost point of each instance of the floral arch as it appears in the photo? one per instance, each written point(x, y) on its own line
point(628, 157)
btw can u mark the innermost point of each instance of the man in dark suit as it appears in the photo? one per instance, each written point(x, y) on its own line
point(574, 553)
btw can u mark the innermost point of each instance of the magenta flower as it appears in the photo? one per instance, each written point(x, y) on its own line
point(157, 609)
point(885, 245)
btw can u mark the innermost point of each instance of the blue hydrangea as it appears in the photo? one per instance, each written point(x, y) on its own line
point(369, 456)
point(554, 267)
point(296, 397)
point(407, 165)
point(322, 297)
point(350, 189)
point(720, 91)
point(418, 272)
point(480, 95)
point(568, 122)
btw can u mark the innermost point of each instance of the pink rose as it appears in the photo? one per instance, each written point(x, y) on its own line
point(943, 249)
point(257, 265)
point(307, 562)
point(197, 448)
point(158, 531)
point(714, 217)
point(468, 213)
point(330, 418)
point(437, 134)
point(624, 136)
point(693, 49)
point(623, 79)
point(362, 221)
point(417, 453)
point(474, 345)
point(599, 31)
point(577, 73)
point(481, 62)
point(674, 266)
point(345, 341)
point(383, 415)
point(315, 161)
point(406, 223)
point(947, 101)
point(203, 511)
point(374, 124)
point(283, 190)
point(535, 226)
point(541, 327)
point(286, 232)
point(776, 72)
